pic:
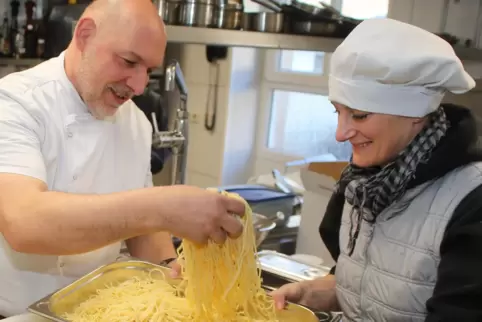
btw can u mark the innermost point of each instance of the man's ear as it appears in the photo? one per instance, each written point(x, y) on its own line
point(85, 30)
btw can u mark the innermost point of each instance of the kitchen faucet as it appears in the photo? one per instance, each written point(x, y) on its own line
point(176, 139)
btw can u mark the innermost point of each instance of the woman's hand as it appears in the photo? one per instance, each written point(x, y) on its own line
point(176, 269)
point(318, 294)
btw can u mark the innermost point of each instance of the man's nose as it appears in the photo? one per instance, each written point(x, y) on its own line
point(344, 130)
point(138, 81)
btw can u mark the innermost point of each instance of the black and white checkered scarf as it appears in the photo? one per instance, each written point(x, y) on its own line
point(370, 190)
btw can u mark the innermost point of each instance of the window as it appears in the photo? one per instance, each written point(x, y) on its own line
point(297, 119)
point(364, 9)
point(289, 109)
point(307, 62)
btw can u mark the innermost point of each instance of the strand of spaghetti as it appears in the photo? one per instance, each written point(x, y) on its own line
point(234, 285)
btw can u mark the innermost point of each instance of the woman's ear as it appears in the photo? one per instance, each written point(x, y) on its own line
point(420, 121)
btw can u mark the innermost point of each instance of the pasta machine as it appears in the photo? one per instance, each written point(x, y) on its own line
point(175, 139)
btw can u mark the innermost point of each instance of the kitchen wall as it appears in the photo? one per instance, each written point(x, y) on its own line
point(226, 154)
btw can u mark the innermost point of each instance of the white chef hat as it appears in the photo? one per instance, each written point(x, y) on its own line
point(390, 67)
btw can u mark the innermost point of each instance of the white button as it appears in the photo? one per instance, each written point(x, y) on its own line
point(69, 134)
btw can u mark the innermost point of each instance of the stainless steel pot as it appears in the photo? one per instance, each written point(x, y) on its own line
point(229, 16)
point(161, 7)
point(171, 12)
point(314, 28)
point(197, 13)
point(264, 22)
point(168, 10)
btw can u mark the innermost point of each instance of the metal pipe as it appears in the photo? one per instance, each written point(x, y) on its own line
point(174, 76)
point(181, 156)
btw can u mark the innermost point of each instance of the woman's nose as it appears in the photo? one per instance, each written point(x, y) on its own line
point(344, 130)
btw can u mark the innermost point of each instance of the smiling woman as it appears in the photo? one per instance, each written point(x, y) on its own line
point(404, 221)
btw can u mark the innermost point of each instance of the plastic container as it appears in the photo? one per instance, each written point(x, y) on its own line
point(265, 200)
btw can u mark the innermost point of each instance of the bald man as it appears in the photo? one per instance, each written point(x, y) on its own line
point(75, 158)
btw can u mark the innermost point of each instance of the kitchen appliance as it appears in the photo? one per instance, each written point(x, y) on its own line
point(176, 139)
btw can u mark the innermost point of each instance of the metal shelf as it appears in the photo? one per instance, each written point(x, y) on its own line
point(468, 54)
point(19, 62)
point(239, 38)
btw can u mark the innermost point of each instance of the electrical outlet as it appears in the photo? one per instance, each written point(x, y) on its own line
point(194, 117)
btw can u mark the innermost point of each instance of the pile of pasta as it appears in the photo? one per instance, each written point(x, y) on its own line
point(220, 282)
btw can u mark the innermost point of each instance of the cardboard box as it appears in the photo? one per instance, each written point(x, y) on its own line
point(319, 179)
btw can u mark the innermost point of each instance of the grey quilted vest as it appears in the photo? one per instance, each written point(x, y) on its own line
point(393, 269)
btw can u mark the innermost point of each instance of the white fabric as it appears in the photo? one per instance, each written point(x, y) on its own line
point(46, 132)
point(390, 67)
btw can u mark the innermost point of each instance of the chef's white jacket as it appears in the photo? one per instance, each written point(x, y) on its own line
point(47, 133)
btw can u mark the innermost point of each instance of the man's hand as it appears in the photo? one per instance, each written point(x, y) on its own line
point(199, 215)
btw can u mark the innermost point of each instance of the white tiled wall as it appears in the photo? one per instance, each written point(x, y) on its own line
point(240, 137)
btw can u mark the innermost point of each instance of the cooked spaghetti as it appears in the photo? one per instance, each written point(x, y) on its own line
point(221, 282)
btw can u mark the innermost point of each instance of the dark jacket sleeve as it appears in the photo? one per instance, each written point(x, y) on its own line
point(329, 228)
point(458, 292)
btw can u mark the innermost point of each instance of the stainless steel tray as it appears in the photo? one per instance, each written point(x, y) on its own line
point(288, 267)
point(66, 299)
